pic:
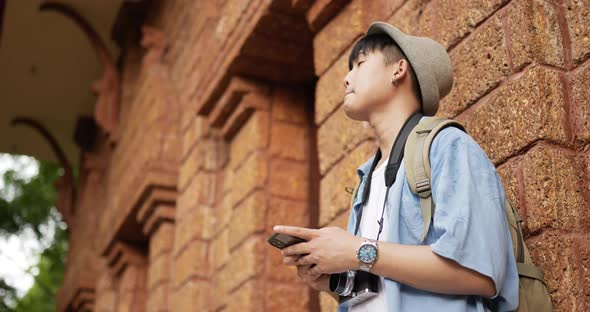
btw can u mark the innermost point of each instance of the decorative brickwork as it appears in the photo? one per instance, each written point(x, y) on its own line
point(231, 122)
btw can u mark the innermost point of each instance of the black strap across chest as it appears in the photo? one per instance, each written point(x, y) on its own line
point(395, 158)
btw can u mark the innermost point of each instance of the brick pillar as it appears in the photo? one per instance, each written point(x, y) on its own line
point(128, 266)
point(105, 293)
point(131, 292)
point(161, 243)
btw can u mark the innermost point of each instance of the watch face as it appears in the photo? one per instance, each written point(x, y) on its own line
point(367, 253)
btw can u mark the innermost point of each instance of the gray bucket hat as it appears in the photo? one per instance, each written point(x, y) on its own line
point(430, 61)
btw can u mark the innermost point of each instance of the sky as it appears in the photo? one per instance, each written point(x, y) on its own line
point(19, 252)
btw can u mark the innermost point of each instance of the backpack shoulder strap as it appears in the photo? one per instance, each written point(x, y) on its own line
point(417, 163)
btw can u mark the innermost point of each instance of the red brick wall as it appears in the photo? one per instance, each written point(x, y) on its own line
point(231, 123)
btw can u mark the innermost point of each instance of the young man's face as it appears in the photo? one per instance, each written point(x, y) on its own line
point(368, 86)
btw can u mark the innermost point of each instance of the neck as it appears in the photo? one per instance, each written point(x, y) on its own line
point(387, 126)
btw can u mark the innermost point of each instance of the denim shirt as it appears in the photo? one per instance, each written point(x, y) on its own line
point(469, 225)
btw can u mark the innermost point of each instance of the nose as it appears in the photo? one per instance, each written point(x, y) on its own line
point(346, 80)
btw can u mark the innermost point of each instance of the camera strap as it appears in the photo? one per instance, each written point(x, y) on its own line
point(395, 158)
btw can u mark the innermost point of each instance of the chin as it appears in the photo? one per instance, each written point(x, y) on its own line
point(352, 114)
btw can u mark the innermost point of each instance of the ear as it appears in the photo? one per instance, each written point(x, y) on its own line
point(400, 69)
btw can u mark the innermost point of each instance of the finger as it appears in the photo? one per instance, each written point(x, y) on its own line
point(297, 249)
point(304, 260)
point(296, 231)
point(290, 260)
point(314, 272)
point(302, 271)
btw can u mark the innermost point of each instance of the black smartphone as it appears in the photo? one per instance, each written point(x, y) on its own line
point(283, 240)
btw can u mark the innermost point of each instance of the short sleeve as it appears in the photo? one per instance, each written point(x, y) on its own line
point(469, 223)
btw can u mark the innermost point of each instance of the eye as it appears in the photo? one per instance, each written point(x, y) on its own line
point(360, 62)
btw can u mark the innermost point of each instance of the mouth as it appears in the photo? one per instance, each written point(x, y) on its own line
point(347, 93)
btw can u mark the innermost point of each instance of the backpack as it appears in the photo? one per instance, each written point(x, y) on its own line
point(533, 293)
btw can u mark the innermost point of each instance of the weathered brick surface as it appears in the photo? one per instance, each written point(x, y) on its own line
point(250, 176)
point(288, 106)
point(415, 18)
point(157, 299)
point(250, 255)
point(162, 240)
point(535, 34)
point(334, 199)
point(577, 14)
point(220, 250)
point(330, 88)
point(296, 298)
point(510, 174)
point(158, 271)
point(580, 93)
point(247, 218)
point(131, 291)
point(191, 262)
point(335, 37)
point(193, 295)
point(565, 260)
point(247, 298)
point(289, 179)
point(485, 51)
point(198, 223)
point(253, 135)
point(552, 190)
point(337, 136)
point(105, 293)
point(458, 18)
point(297, 138)
point(523, 111)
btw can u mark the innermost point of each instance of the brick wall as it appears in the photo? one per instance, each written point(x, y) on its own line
point(231, 123)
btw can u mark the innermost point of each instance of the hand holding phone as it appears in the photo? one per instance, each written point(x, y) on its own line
point(281, 241)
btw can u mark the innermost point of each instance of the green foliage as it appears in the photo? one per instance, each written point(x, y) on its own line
point(7, 295)
point(41, 296)
point(28, 203)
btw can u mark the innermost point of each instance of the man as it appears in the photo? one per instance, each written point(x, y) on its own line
point(466, 262)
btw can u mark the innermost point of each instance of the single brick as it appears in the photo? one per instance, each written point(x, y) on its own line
point(552, 191)
point(565, 260)
point(577, 13)
point(580, 93)
point(535, 34)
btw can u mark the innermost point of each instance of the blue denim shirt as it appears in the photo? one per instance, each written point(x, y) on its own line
point(469, 225)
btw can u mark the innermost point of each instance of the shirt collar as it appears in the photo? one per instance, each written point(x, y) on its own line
point(363, 170)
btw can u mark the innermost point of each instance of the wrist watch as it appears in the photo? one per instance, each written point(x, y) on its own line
point(367, 254)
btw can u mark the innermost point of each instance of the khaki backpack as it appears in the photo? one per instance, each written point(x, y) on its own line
point(533, 292)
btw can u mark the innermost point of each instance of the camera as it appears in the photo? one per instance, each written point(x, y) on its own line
point(354, 287)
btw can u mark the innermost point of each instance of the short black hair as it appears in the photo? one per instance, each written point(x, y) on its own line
point(391, 52)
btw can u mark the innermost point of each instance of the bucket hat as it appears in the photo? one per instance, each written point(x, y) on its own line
point(429, 60)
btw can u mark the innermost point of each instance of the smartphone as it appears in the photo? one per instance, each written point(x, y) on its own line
point(283, 240)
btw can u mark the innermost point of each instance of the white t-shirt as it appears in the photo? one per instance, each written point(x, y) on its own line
point(369, 229)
